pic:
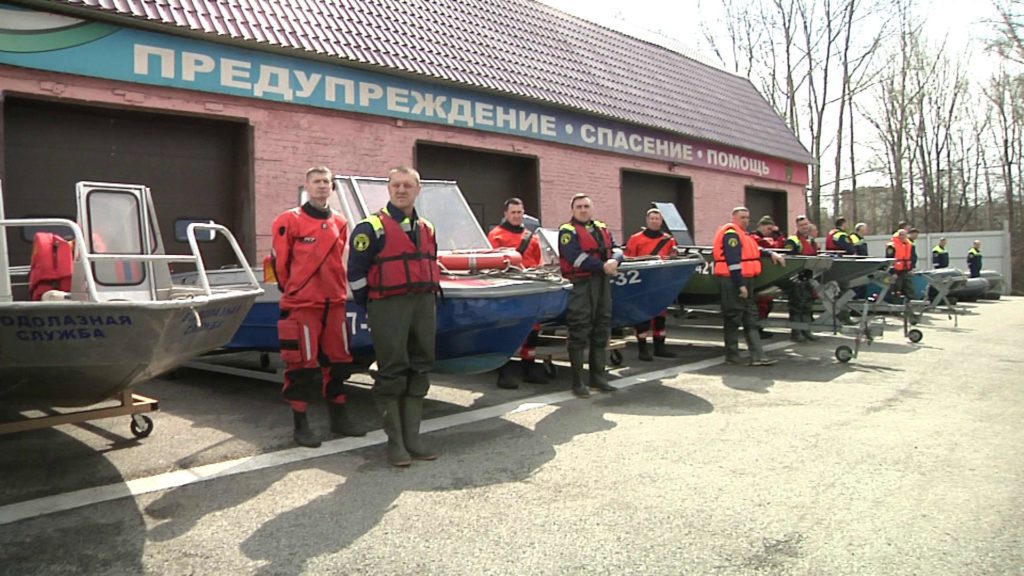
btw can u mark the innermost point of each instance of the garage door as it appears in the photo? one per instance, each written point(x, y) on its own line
point(486, 179)
point(640, 189)
point(196, 168)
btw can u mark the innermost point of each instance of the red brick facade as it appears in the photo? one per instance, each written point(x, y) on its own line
point(290, 138)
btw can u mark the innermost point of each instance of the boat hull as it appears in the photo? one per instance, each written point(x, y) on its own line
point(481, 320)
point(846, 269)
point(79, 353)
point(704, 286)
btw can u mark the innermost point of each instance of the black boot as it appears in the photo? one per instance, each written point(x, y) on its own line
point(412, 415)
point(661, 350)
point(576, 360)
point(341, 423)
point(598, 373)
point(807, 318)
point(391, 418)
point(505, 380)
point(303, 435)
point(643, 352)
point(533, 372)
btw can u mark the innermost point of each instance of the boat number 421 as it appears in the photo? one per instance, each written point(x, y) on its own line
point(628, 277)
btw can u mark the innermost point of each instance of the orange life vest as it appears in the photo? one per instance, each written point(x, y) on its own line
point(750, 263)
point(52, 264)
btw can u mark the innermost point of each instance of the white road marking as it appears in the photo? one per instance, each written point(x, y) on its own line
point(89, 496)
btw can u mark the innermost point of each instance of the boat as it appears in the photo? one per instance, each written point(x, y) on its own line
point(116, 319)
point(489, 304)
point(996, 284)
point(642, 289)
point(704, 287)
point(847, 270)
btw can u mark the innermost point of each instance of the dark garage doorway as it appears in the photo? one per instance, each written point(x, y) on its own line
point(639, 189)
point(196, 168)
point(761, 201)
point(486, 178)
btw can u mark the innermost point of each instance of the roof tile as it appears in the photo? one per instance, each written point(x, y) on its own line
point(518, 47)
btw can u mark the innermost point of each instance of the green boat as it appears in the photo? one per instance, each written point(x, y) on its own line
point(703, 287)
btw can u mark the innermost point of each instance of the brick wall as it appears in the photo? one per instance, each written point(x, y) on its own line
point(289, 138)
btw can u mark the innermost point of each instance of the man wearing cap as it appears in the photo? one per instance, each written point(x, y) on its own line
point(652, 241)
point(940, 256)
point(737, 261)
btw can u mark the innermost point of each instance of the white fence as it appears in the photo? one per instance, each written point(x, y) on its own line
point(995, 250)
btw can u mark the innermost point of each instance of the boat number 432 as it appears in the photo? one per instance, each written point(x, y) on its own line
point(628, 277)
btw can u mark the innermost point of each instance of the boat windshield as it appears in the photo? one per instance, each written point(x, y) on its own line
point(441, 202)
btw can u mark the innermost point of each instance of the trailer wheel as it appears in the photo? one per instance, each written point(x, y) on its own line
point(616, 357)
point(844, 353)
point(141, 425)
point(915, 335)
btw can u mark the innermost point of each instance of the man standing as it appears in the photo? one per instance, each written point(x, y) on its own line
point(768, 236)
point(912, 235)
point(307, 250)
point(585, 258)
point(652, 241)
point(940, 256)
point(511, 233)
point(800, 292)
point(838, 239)
point(974, 259)
point(902, 251)
point(393, 270)
point(737, 261)
point(857, 238)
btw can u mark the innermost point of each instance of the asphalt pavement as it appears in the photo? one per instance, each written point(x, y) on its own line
point(905, 460)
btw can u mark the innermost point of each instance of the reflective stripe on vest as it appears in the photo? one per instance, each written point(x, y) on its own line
point(400, 267)
point(750, 263)
point(588, 247)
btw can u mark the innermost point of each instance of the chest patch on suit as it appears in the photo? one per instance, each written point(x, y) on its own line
point(307, 239)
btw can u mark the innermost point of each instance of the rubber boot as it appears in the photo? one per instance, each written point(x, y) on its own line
point(505, 380)
point(598, 373)
point(391, 418)
point(412, 415)
point(341, 423)
point(643, 352)
point(303, 435)
point(661, 350)
point(807, 319)
point(533, 373)
point(576, 360)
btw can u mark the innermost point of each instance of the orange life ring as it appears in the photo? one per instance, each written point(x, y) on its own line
point(482, 260)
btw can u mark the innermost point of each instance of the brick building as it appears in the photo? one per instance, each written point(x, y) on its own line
point(220, 106)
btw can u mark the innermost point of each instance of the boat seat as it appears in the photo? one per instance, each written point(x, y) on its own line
point(51, 266)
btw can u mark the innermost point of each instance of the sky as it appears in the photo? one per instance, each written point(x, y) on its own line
point(676, 23)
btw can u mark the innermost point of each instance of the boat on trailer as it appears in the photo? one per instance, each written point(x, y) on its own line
point(488, 305)
point(114, 318)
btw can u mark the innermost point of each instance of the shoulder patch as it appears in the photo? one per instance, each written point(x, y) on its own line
point(281, 231)
point(733, 242)
point(565, 237)
point(361, 242)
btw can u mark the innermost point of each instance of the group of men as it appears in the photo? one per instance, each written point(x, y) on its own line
point(391, 270)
